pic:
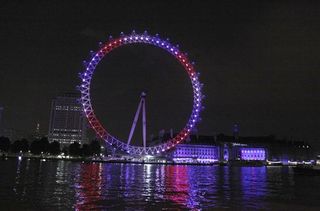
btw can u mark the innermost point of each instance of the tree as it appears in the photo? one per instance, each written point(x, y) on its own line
point(24, 145)
point(85, 150)
point(95, 147)
point(39, 146)
point(74, 149)
point(4, 144)
point(44, 144)
point(54, 148)
point(65, 150)
point(20, 145)
point(35, 147)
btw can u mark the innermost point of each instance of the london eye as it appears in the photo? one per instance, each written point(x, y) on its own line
point(125, 146)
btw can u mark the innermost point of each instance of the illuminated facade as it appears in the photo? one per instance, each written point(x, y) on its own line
point(67, 122)
point(253, 154)
point(195, 153)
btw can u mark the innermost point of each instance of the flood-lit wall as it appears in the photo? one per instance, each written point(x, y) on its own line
point(200, 153)
point(253, 153)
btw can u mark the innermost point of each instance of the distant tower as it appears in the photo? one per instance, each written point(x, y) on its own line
point(67, 121)
point(37, 132)
point(236, 132)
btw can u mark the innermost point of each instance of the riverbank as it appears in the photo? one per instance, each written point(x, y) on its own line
point(99, 159)
point(102, 159)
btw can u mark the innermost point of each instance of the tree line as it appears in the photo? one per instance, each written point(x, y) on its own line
point(42, 145)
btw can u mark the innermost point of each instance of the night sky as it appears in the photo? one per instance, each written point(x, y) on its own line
point(259, 63)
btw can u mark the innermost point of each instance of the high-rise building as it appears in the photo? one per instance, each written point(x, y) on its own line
point(67, 121)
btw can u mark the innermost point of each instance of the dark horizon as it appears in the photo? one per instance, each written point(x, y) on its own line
point(258, 61)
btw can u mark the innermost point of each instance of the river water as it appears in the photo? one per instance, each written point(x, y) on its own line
point(66, 185)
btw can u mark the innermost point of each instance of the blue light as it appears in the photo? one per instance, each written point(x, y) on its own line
point(139, 38)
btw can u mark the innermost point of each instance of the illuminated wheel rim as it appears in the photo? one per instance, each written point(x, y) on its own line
point(135, 38)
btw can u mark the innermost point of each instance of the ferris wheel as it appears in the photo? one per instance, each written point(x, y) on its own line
point(145, 39)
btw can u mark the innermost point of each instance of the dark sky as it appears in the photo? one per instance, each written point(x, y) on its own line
point(259, 62)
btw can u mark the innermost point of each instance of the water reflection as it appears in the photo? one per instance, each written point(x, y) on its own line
point(17, 178)
point(253, 186)
point(177, 185)
point(63, 185)
point(88, 186)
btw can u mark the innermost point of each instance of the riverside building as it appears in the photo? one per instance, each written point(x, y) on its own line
point(67, 121)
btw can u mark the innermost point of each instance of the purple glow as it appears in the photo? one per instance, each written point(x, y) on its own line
point(142, 39)
point(202, 153)
point(253, 154)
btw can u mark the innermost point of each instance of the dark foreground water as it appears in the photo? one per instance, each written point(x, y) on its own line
point(65, 185)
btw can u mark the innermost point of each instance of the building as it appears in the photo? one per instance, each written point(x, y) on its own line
point(67, 121)
point(211, 149)
point(195, 153)
point(256, 153)
point(274, 149)
point(197, 149)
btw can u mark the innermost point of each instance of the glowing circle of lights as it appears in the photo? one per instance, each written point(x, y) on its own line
point(135, 38)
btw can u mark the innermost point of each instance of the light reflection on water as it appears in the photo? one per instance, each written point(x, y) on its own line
point(34, 184)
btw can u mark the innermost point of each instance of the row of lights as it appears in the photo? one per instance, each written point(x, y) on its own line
point(252, 151)
point(134, 38)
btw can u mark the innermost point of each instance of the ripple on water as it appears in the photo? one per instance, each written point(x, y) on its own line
point(88, 186)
